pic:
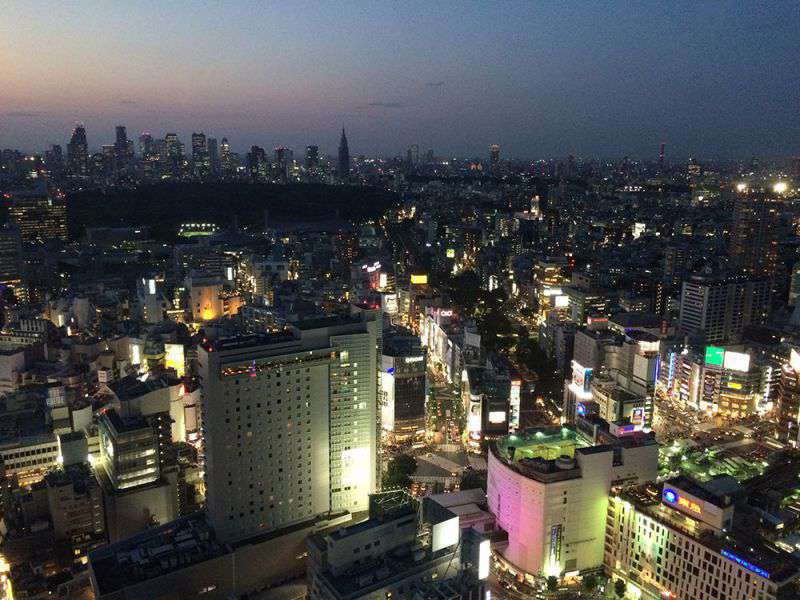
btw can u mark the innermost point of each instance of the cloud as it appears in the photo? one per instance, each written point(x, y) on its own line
point(435, 83)
point(23, 114)
point(127, 101)
point(386, 105)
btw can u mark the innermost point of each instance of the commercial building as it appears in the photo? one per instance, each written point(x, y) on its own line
point(682, 540)
point(289, 424)
point(394, 553)
point(548, 489)
point(403, 386)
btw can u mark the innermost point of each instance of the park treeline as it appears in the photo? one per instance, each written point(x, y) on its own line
point(163, 207)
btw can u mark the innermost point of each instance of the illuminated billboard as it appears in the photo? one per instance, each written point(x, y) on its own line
point(451, 253)
point(794, 359)
point(737, 361)
point(715, 355)
point(514, 405)
point(419, 279)
point(673, 498)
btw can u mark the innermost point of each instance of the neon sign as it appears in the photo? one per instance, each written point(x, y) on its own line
point(747, 565)
point(672, 497)
point(581, 409)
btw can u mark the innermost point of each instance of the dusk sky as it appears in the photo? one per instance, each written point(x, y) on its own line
point(542, 79)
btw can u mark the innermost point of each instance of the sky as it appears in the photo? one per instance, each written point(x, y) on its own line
point(541, 78)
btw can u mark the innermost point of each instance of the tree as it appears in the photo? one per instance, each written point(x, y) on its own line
point(398, 472)
point(552, 583)
point(619, 588)
point(589, 583)
point(472, 479)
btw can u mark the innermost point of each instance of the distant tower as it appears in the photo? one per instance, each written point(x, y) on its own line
point(78, 152)
point(312, 157)
point(494, 155)
point(225, 156)
point(344, 157)
point(661, 156)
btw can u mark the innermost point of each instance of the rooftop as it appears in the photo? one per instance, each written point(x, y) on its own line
point(176, 545)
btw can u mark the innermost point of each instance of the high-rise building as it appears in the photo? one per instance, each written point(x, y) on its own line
point(146, 145)
point(121, 153)
point(39, 214)
point(754, 233)
point(213, 155)
point(343, 166)
point(54, 160)
point(257, 163)
point(78, 153)
point(494, 155)
point(225, 156)
point(174, 153)
point(312, 157)
point(284, 157)
point(789, 401)
point(290, 424)
point(719, 306)
point(200, 158)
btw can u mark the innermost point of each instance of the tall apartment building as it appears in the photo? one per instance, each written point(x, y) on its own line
point(753, 246)
point(290, 424)
point(719, 307)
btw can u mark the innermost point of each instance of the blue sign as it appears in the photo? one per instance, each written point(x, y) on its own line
point(670, 496)
point(743, 563)
point(390, 370)
point(581, 409)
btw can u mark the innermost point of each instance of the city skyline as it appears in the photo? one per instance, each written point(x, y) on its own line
point(710, 81)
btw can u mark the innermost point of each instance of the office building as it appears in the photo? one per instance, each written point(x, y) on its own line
point(39, 214)
point(290, 424)
point(548, 489)
point(494, 155)
point(683, 539)
point(717, 307)
point(78, 153)
point(312, 157)
point(343, 164)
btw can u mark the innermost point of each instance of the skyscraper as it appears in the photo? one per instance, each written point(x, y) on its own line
point(225, 156)
point(754, 233)
point(146, 146)
point(290, 424)
point(78, 152)
point(494, 155)
point(121, 148)
point(344, 157)
point(312, 157)
point(213, 155)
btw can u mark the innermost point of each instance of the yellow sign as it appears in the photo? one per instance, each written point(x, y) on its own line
point(419, 279)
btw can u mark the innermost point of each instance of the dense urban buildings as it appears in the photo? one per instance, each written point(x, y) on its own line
point(432, 328)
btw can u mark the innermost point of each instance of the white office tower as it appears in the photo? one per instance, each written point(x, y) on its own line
point(289, 424)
